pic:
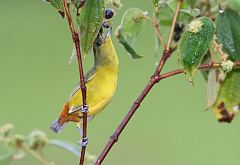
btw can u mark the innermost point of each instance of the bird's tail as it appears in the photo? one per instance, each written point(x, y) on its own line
point(58, 124)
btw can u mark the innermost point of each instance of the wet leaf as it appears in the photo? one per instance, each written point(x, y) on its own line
point(215, 79)
point(228, 33)
point(90, 21)
point(194, 44)
point(130, 28)
point(228, 100)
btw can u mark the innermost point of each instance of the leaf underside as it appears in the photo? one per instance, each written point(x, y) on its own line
point(127, 33)
point(228, 101)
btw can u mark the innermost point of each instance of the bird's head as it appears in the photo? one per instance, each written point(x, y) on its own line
point(65, 117)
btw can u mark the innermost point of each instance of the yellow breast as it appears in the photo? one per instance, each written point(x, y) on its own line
point(100, 90)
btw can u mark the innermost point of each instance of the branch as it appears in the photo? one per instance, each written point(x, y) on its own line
point(76, 41)
point(203, 66)
point(153, 80)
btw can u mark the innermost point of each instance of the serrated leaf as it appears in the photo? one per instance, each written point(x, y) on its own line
point(130, 28)
point(215, 79)
point(228, 101)
point(90, 21)
point(58, 4)
point(194, 44)
point(228, 33)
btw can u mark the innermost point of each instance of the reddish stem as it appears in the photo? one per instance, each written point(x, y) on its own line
point(203, 66)
point(76, 41)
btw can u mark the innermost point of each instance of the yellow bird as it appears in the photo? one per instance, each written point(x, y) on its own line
point(101, 83)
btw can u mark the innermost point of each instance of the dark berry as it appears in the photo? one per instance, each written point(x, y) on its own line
point(108, 14)
point(178, 29)
point(106, 25)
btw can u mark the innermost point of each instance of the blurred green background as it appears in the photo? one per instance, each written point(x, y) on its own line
point(170, 128)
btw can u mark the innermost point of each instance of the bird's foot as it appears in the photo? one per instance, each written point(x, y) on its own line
point(83, 142)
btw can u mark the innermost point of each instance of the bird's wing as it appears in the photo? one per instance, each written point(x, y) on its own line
point(88, 77)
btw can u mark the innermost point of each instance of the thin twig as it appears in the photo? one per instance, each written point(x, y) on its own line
point(202, 66)
point(153, 80)
point(173, 24)
point(76, 41)
point(157, 29)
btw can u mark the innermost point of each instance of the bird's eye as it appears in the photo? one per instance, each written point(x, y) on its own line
point(108, 14)
point(99, 41)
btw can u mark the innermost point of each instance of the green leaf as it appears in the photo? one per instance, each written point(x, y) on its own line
point(90, 21)
point(228, 101)
point(194, 44)
point(6, 159)
point(128, 48)
point(191, 3)
point(58, 4)
point(164, 14)
point(228, 33)
point(215, 79)
point(130, 28)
